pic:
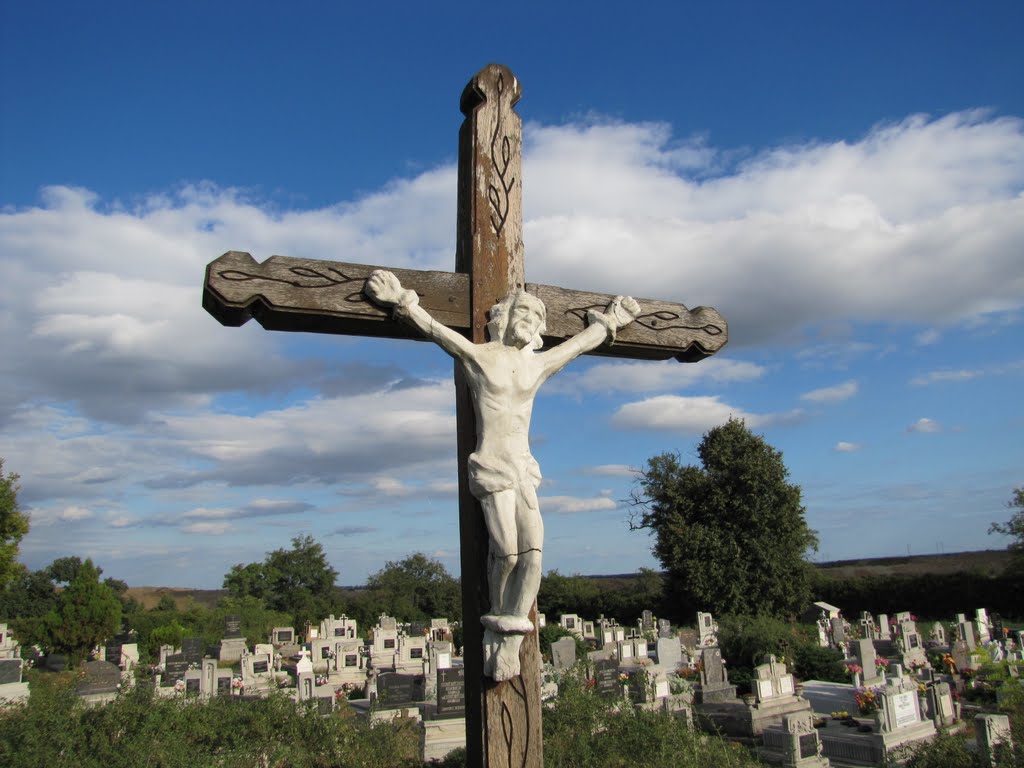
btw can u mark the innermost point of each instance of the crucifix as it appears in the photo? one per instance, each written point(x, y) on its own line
point(507, 336)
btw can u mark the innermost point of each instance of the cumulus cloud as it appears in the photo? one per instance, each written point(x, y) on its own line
point(572, 504)
point(835, 394)
point(690, 415)
point(844, 447)
point(925, 425)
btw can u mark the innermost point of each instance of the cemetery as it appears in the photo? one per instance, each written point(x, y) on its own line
point(504, 679)
point(900, 692)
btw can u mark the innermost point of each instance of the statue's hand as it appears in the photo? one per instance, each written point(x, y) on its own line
point(384, 288)
point(624, 309)
point(621, 311)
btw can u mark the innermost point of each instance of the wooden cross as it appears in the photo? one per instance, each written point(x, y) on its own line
point(503, 724)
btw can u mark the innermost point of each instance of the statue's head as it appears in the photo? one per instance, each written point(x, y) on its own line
point(518, 320)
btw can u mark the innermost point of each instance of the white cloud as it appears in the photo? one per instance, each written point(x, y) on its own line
point(927, 338)
point(210, 529)
point(844, 447)
point(684, 414)
point(925, 425)
point(964, 374)
point(573, 504)
point(835, 394)
point(611, 470)
point(650, 376)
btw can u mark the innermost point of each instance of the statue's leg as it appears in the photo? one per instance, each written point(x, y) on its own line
point(500, 517)
point(521, 589)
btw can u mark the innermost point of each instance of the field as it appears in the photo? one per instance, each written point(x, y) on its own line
point(988, 562)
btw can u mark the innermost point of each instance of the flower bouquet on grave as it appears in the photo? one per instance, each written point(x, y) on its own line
point(236, 684)
point(881, 665)
point(867, 700)
point(179, 686)
point(854, 669)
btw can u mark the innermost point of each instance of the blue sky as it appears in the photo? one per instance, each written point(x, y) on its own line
point(843, 182)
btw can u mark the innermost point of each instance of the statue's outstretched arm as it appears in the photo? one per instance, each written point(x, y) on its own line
point(601, 326)
point(386, 289)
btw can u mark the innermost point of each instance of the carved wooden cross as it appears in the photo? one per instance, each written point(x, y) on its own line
point(503, 726)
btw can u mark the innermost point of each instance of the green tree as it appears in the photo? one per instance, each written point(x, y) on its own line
point(731, 533)
point(1014, 527)
point(416, 588)
point(13, 527)
point(560, 594)
point(299, 580)
point(87, 613)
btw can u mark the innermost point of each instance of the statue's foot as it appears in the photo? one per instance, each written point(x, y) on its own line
point(507, 624)
point(501, 655)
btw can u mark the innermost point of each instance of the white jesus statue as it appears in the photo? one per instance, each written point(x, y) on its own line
point(503, 376)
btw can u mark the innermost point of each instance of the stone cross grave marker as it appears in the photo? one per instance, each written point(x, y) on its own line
point(295, 294)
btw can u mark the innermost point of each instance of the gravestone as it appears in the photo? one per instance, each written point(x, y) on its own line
point(192, 649)
point(647, 621)
point(175, 667)
point(883, 627)
point(664, 628)
point(395, 690)
point(563, 653)
point(838, 625)
point(670, 653)
point(865, 650)
point(232, 626)
point(10, 671)
point(112, 651)
point(998, 628)
point(993, 736)
point(714, 685)
point(98, 677)
point(223, 686)
point(938, 633)
point(503, 715)
point(606, 679)
point(451, 692)
point(707, 629)
point(941, 706)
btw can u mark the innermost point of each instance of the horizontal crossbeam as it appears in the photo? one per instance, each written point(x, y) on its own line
point(291, 294)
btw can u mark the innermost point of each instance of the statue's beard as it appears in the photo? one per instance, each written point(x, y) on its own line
point(522, 334)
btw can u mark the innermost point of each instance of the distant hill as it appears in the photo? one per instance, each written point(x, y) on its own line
point(988, 562)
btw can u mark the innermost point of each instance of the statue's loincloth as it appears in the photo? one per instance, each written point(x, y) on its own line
point(489, 473)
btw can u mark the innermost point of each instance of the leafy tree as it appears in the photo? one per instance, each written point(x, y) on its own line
point(731, 533)
point(297, 580)
point(416, 588)
point(87, 613)
point(1014, 527)
point(64, 569)
point(560, 594)
point(13, 527)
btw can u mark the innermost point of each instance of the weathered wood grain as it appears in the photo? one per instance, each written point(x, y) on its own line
point(291, 294)
point(503, 720)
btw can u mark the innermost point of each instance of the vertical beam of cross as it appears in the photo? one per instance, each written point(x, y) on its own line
point(503, 720)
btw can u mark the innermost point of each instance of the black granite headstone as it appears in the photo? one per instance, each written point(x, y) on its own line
point(192, 687)
point(175, 667)
point(259, 667)
point(10, 671)
point(451, 692)
point(56, 662)
point(192, 649)
point(284, 636)
point(394, 689)
point(98, 677)
point(223, 686)
point(808, 745)
point(998, 632)
point(606, 678)
point(325, 704)
point(112, 651)
point(232, 626)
